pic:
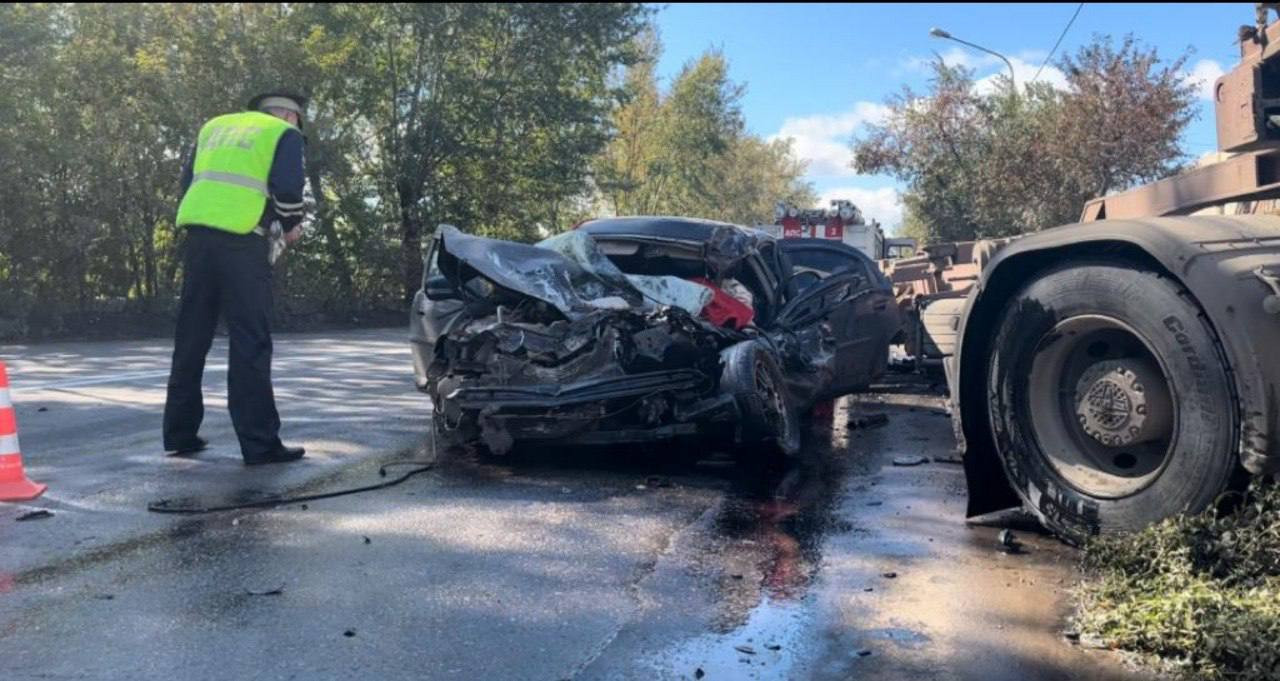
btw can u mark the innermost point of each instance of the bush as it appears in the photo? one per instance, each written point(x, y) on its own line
point(1201, 593)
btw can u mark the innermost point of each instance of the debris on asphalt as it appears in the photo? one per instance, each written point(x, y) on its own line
point(42, 409)
point(773, 646)
point(890, 575)
point(910, 460)
point(948, 459)
point(868, 590)
point(736, 576)
point(864, 652)
point(698, 673)
point(105, 597)
point(35, 515)
point(875, 503)
point(858, 421)
point(367, 540)
point(350, 633)
point(641, 487)
point(304, 507)
point(746, 650)
point(267, 592)
point(1008, 542)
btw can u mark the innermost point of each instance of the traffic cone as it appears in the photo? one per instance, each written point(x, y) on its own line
point(14, 485)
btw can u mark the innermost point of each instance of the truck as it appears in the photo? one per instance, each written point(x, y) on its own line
point(842, 221)
point(1110, 373)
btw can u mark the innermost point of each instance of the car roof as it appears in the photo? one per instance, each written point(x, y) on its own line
point(664, 227)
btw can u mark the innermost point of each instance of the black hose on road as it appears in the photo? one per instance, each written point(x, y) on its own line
point(169, 506)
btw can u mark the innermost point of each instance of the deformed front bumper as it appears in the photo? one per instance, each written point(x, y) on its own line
point(646, 407)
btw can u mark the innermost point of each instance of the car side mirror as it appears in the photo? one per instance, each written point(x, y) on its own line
point(439, 288)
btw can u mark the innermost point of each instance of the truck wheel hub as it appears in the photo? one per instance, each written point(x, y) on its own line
point(1119, 403)
point(1098, 403)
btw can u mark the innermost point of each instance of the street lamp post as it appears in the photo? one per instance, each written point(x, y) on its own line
point(939, 33)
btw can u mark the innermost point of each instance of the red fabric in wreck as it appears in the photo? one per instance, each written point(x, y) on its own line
point(724, 309)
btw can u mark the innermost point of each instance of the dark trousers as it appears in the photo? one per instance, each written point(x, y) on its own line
point(227, 274)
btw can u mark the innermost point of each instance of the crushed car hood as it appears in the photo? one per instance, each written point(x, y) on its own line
point(670, 291)
point(535, 272)
point(567, 271)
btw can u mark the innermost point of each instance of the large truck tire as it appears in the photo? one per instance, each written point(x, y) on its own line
point(770, 423)
point(1110, 403)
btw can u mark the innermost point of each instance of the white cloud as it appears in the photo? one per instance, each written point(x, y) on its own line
point(1023, 72)
point(1203, 75)
point(881, 204)
point(823, 140)
point(988, 67)
point(954, 56)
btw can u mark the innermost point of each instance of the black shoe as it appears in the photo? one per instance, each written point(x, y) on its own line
point(282, 455)
point(197, 445)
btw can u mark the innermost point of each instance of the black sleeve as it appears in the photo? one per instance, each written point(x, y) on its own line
point(187, 169)
point(286, 182)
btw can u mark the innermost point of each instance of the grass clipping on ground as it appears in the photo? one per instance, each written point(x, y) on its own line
point(1201, 593)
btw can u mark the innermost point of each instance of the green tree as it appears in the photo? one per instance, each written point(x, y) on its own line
point(990, 165)
point(483, 115)
point(686, 152)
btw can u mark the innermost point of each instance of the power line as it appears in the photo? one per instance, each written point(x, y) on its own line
point(1060, 37)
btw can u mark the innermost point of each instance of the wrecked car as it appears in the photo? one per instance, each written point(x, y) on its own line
point(643, 329)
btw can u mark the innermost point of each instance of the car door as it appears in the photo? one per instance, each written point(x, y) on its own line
point(846, 286)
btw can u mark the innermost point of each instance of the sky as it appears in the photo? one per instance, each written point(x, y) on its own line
point(818, 73)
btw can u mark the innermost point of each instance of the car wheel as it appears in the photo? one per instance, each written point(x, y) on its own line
point(770, 422)
point(1110, 403)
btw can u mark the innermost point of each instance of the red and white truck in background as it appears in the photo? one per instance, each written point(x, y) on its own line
point(842, 222)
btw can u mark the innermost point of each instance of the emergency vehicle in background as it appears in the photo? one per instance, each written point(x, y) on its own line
point(842, 222)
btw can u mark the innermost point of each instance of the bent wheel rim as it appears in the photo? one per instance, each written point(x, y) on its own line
point(767, 389)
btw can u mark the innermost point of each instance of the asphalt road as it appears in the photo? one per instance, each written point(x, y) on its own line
point(89, 418)
point(658, 563)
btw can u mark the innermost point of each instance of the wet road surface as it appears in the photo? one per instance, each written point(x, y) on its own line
point(595, 564)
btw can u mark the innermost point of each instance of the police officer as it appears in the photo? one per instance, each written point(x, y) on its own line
point(244, 173)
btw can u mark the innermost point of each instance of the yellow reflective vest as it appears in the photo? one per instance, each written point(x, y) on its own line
point(229, 174)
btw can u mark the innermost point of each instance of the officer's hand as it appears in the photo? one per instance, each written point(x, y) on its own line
point(291, 237)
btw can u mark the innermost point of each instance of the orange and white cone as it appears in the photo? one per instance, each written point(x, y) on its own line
point(14, 484)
